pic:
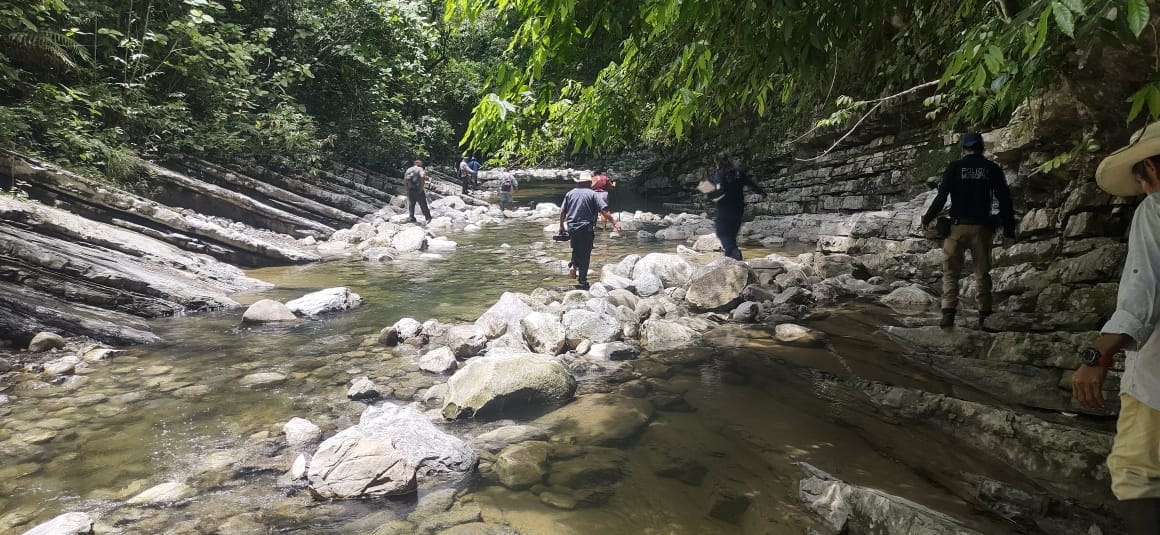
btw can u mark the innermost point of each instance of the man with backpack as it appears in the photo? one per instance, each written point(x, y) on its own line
point(474, 165)
point(601, 184)
point(727, 189)
point(508, 185)
point(578, 215)
point(414, 181)
point(465, 174)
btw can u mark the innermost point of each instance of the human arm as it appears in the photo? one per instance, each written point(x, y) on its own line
point(1006, 207)
point(940, 199)
point(1137, 310)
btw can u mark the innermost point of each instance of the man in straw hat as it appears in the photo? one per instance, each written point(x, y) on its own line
point(971, 182)
point(1134, 462)
point(578, 215)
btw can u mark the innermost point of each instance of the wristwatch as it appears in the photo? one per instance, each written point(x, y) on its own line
point(1092, 357)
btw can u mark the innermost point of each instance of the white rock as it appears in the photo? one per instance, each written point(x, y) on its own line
point(262, 378)
point(301, 432)
point(322, 301)
point(410, 239)
point(796, 335)
point(268, 311)
point(440, 360)
point(66, 524)
point(163, 494)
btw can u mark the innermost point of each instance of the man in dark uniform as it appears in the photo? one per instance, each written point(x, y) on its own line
point(971, 182)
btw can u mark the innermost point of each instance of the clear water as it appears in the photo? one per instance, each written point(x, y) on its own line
point(168, 411)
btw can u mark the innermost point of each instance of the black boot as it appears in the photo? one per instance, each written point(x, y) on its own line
point(1142, 516)
point(948, 318)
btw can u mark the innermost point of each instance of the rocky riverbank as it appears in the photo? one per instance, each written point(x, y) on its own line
point(552, 385)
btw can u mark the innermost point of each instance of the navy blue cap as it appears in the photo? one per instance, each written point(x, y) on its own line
point(972, 140)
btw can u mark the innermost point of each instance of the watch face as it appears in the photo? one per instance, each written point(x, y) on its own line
point(1090, 357)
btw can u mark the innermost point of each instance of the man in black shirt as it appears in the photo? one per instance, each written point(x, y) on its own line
point(729, 182)
point(971, 182)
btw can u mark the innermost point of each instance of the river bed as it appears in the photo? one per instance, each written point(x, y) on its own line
point(742, 407)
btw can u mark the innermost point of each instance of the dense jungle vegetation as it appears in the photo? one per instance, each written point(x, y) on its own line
point(299, 83)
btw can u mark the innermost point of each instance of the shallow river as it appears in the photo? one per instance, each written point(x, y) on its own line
point(744, 409)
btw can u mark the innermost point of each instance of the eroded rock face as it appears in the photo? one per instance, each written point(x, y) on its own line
point(488, 384)
point(865, 510)
point(323, 301)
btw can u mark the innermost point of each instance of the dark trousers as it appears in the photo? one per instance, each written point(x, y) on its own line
point(582, 243)
point(419, 197)
point(466, 181)
point(727, 226)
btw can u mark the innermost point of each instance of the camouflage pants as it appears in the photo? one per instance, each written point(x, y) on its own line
point(978, 240)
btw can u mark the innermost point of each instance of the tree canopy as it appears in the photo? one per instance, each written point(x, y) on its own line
point(595, 75)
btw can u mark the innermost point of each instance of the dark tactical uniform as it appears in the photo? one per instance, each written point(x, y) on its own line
point(971, 183)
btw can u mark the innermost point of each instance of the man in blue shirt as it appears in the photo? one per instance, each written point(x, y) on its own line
point(578, 216)
point(474, 165)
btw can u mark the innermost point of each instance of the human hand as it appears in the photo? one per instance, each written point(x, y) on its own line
point(1087, 386)
point(618, 227)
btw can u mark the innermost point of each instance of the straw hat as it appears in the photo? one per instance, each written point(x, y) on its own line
point(585, 176)
point(1114, 175)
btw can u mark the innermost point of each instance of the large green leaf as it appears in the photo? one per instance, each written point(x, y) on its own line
point(1138, 16)
point(1064, 18)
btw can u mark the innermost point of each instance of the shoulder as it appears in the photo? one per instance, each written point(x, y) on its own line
point(1149, 209)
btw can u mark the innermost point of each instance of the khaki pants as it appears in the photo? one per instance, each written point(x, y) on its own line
point(1135, 459)
point(976, 239)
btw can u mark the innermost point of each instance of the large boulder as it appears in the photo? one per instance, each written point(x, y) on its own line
point(673, 270)
point(489, 384)
point(301, 432)
point(410, 239)
point(659, 334)
point(322, 301)
point(598, 420)
point(268, 311)
point(544, 333)
point(66, 524)
point(719, 287)
point(522, 465)
point(407, 328)
point(504, 316)
point(580, 324)
point(43, 341)
point(707, 244)
point(466, 341)
point(383, 455)
point(351, 465)
point(411, 432)
point(440, 360)
point(910, 299)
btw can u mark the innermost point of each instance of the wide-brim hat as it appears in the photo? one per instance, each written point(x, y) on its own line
point(1114, 175)
point(585, 176)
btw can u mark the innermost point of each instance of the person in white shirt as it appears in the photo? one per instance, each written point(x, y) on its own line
point(1134, 463)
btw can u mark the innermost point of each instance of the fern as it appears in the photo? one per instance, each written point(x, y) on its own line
point(54, 46)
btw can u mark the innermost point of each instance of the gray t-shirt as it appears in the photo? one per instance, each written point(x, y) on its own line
point(581, 208)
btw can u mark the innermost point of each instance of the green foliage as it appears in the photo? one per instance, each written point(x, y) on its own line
point(292, 83)
point(603, 75)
